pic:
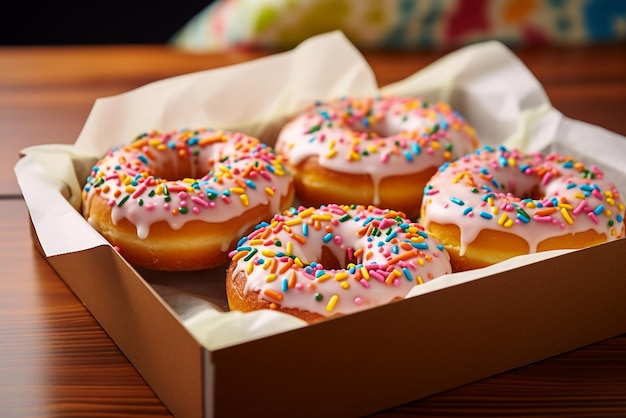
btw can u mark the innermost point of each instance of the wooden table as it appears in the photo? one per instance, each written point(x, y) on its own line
point(55, 360)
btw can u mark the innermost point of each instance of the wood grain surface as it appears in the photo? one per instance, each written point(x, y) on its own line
point(56, 360)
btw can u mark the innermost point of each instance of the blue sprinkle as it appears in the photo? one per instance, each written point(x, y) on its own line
point(457, 201)
point(485, 215)
point(328, 237)
point(599, 209)
point(416, 148)
point(143, 158)
point(443, 167)
point(305, 230)
point(193, 141)
point(407, 274)
point(467, 210)
point(251, 184)
point(408, 155)
point(440, 247)
point(420, 245)
point(568, 164)
point(285, 285)
point(391, 236)
point(571, 185)
point(395, 249)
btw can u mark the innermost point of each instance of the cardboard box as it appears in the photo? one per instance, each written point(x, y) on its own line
point(474, 326)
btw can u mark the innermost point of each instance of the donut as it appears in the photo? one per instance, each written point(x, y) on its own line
point(497, 203)
point(319, 263)
point(180, 200)
point(376, 150)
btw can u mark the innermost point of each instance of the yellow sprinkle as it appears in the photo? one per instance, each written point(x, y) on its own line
point(503, 219)
point(306, 212)
point(249, 267)
point(509, 223)
point(129, 189)
point(188, 180)
point(579, 196)
point(289, 247)
point(342, 275)
point(345, 285)
point(565, 206)
point(266, 266)
point(298, 262)
point(420, 261)
point(238, 190)
point(268, 253)
point(239, 255)
point(511, 161)
point(331, 153)
point(332, 302)
point(566, 216)
point(127, 180)
point(324, 277)
point(420, 280)
point(608, 212)
point(447, 155)
point(354, 156)
point(620, 207)
point(365, 273)
point(372, 149)
point(244, 199)
point(495, 210)
point(269, 191)
point(270, 278)
point(608, 194)
point(159, 189)
point(531, 205)
point(610, 201)
point(256, 242)
point(294, 221)
point(326, 217)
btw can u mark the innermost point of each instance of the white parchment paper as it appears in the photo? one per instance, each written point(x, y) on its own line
point(486, 82)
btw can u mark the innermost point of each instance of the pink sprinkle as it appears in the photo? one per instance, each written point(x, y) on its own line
point(225, 198)
point(199, 201)
point(593, 217)
point(596, 193)
point(111, 203)
point(365, 283)
point(211, 204)
point(377, 276)
point(338, 240)
point(542, 218)
point(195, 210)
point(580, 207)
point(358, 301)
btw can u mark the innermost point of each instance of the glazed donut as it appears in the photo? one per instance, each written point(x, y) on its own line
point(378, 151)
point(498, 203)
point(317, 263)
point(180, 200)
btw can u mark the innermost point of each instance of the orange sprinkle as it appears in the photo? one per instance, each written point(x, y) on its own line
point(273, 294)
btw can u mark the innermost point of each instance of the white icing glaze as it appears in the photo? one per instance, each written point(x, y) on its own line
point(382, 137)
point(381, 256)
point(229, 173)
point(529, 195)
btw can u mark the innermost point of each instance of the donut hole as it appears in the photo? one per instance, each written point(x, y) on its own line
point(381, 128)
point(178, 168)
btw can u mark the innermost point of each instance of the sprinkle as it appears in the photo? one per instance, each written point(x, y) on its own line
point(331, 303)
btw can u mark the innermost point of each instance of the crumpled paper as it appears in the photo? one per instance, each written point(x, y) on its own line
point(486, 82)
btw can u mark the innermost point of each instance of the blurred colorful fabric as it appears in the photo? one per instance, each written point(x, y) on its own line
point(403, 24)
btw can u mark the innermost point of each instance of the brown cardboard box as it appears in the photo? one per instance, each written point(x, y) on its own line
point(513, 314)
